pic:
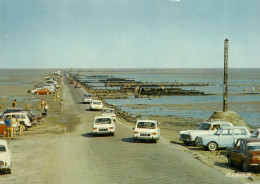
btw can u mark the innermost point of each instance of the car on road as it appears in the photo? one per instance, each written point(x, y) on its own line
point(78, 85)
point(42, 91)
point(109, 112)
point(87, 99)
point(223, 137)
point(20, 116)
point(205, 128)
point(5, 157)
point(96, 105)
point(245, 153)
point(146, 130)
point(104, 125)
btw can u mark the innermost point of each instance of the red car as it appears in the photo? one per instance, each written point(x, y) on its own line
point(245, 153)
point(78, 85)
point(42, 91)
point(2, 127)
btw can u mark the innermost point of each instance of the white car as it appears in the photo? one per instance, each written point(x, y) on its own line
point(205, 128)
point(96, 105)
point(147, 129)
point(104, 125)
point(20, 116)
point(108, 112)
point(5, 157)
point(88, 98)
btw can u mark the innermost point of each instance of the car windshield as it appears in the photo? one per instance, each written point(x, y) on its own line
point(96, 103)
point(149, 125)
point(255, 134)
point(204, 126)
point(253, 146)
point(2, 148)
point(108, 111)
point(103, 121)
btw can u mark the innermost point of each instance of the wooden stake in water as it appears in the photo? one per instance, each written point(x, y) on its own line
point(225, 76)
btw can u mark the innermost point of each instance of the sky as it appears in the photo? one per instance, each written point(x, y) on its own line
point(129, 33)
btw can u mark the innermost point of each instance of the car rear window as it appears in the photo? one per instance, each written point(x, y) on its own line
point(149, 125)
point(103, 121)
point(97, 103)
point(253, 146)
point(2, 148)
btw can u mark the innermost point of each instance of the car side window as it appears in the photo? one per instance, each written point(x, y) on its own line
point(243, 146)
point(243, 132)
point(17, 116)
point(23, 116)
point(237, 132)
point(226, 132)
point(238, 144)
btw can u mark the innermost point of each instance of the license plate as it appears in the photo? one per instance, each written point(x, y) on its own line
point(103, 129)
point(144, 134)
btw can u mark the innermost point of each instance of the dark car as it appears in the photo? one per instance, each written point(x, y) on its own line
point(245, 153)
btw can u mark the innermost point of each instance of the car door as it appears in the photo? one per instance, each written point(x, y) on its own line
point(241, 154)
point(235, 151)
point(226, 138)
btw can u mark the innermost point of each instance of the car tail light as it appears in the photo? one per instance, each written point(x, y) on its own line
point(153, 133)
point(5, 163)
point(94, 128)
point(110, 127)
point(135, 132)
point(256, 158)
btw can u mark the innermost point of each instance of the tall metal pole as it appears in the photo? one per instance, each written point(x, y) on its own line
point(225, 76)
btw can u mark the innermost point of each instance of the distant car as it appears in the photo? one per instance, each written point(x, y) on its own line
point(78, 85)
point(108, 112)
point(96, 105)
point(88, 98)
point(205, 128)
point(20, 116)
point(223, 137)
point(5, 157)
point(42, 91)
point(2, 127)
point(104, 125)
point(245, 153)
point(147, 130)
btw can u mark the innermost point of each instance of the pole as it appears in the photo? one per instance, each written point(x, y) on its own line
point(225, 76)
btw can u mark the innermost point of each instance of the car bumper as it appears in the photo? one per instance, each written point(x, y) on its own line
point(109, 131)
point(146, 137)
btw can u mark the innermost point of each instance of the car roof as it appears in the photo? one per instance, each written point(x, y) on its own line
point(146, 120)
point(96, 101)
point(14, 113)
point(214, 122)
point(233, 127)
point(102, 117)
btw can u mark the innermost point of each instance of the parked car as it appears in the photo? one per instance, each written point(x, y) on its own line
point(78, 85)
point(42, 91)
point(245, 153)
point(108, 112)
point(96, 105)
point(205, 128)
point(255, 134)
point(34, 117)
point(5, 157)
point(146, 130)
point(88, 98)
point(104, 125)
point(223, 137)
point(20, 116)
point(2, 127)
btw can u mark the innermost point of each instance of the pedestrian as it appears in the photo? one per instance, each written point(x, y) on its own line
point(61, 105)
point(28, 106)
point(42, 104)
point(14, 103)
point(46, 109)
point(13, 127)
point(21, 125)
point(8, 125)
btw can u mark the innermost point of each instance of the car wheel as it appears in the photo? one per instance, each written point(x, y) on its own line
point(230, 162)
point(212, 146)
point(196, 141)
point(155, 141)
point(8, 171)
point(187, 143)
point(135, 140)
point(113, 134)
point(245, 166)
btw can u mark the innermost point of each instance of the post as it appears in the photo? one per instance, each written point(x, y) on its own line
point(225, 76)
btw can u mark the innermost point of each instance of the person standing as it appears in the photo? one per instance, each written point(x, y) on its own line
point(13, 126)
point(14, 103)
point(61, 105)
point(42, 104)
point(8, 125)
point(46, 109)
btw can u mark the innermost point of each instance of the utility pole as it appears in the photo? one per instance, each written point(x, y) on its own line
point(225, 76)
